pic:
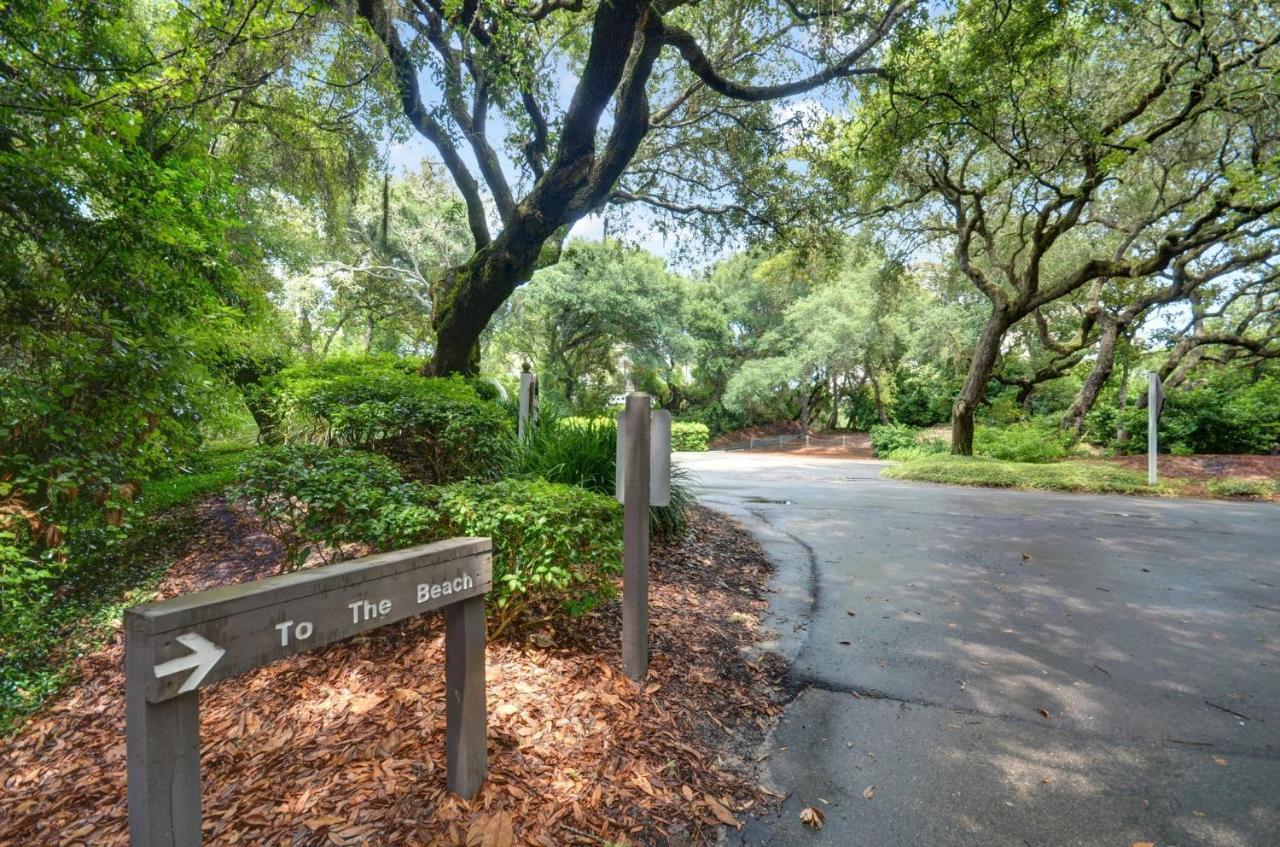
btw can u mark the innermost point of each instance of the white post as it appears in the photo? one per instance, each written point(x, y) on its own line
point(1153, 423)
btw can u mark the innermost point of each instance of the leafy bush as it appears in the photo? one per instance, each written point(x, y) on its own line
point(553, 545)
point(922, 448)
point(922, 395)
point(436, 430)
point(58, 602)
point(886, 438)
point(1034, 441)
point(1226, 415)
point(1233, 486)
point(689, 436)
point(315, 499)
point(583, 452)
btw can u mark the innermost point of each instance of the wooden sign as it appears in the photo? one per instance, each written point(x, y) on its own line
point(176, 646)
point(659, 457)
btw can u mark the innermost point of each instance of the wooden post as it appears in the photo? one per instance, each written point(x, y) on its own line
point(162, 756)
point(1153, 424)
point(635, 539)
point(465, 713)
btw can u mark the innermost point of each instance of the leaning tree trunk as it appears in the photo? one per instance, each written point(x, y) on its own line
point(975, 383)
point(1102, 368)
point(877, 397)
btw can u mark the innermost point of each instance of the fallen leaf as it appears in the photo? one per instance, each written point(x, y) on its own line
point(869, 792)
point(1025, 557)
point(1219, 761)
point(811, 817)
point(1144, 844)
point(324, 820)
point(1044, 713)
point(722, 814)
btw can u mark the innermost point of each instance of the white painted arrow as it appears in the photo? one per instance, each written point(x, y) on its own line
point(203, 656)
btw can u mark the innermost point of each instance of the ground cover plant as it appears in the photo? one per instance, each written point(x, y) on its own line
point(53, 611)
point(1078, 476)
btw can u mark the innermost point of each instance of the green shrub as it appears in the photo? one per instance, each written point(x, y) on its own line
point(1225, 415)
point(886, 438)
point(58, 602)
point(583, 452)
point(689, 436)
point(553, 545)
point(1233, 486)
point(923, 447)
point(1034, 441)
point(436, 430)
point(315, 499)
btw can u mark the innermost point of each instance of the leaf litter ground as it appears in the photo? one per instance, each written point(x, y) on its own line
point(345, 746)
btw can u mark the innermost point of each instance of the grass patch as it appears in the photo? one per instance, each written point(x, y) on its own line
point(1234, 486)
point(1093, 477)
point(42, 635)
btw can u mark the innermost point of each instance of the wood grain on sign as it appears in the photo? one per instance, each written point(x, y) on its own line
point(260, 622)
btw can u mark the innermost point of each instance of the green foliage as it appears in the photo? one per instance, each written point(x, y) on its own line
point(689, 436)
point(554, 545)
point(1041, 440)
point(315, 499)
point(435, 429)
point(583, 452)
point(922, 396)
point(576, 319)
point(1059, 476)
point(886, 438)
point(1232, 486)
point(47, 621)
point(1225, 415)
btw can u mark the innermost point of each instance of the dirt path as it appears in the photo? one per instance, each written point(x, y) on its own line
point(346, 745)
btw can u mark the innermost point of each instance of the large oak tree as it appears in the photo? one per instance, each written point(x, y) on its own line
point(1049, 146)
point(545, 112)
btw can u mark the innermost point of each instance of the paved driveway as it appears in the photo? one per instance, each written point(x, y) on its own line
point(1007, 668)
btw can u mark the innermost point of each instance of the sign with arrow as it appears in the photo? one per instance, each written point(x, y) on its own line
point(177, 646)
point(203, 656)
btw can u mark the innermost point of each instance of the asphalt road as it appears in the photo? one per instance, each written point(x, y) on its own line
point(1011, 668)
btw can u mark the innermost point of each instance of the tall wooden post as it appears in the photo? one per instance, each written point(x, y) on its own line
point(465, 713)
point(162, 758)
point(635, 538)
point(1153, 424)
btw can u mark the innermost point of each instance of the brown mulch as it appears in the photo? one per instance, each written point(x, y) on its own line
point(346, 745)
point(1207, 466)
point(1199, 470)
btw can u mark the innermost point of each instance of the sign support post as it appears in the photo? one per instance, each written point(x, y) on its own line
point(1155, 398)
point(643, 479)
point(465, 714)
point(162, 743)
point(635, 537)
point(176, 646)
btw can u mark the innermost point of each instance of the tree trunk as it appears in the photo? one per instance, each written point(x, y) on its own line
point(1122, 400)
point(468, 295)
point(1102, 368)
point(877, 396)
point(833, 422)
point(975, 383)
